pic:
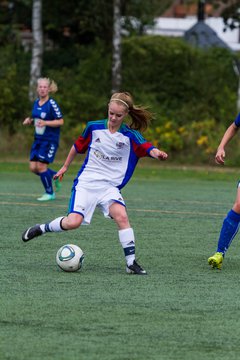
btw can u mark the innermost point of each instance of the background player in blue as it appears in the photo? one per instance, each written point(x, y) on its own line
point(231, 223)
point(113, 150)
point(47, 119)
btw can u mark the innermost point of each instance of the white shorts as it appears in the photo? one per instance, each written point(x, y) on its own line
point(84, 201)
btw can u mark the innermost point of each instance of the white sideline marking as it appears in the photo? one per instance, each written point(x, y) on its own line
point(129, 209)
point(129, 199)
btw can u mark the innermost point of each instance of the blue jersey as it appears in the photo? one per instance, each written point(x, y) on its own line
point(48, 111)
point(237, 120)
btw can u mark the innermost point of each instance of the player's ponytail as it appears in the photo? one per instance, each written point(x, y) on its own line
point(140, 116)
point(53, 88)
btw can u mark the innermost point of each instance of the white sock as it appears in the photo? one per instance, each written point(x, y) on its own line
point(53, 226)
point(127, 240)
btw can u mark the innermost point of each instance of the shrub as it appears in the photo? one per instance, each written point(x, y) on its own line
point(192, 92)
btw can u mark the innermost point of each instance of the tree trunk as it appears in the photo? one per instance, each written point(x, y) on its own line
point(37, 47)
point(116, 56)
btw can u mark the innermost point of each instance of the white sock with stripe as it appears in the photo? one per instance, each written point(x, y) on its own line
point(53, 226)
point(127, 240)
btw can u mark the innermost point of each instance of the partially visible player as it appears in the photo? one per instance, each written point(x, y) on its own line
point(47, 119)
point(231, 223)
point(113, 150)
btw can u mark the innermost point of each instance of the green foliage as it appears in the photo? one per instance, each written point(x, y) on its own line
point(139, 13)
point(85, 94)
point(192, 92)
point(86, 21)
point(185, 81)
point(192, 143)
point(13, 101)
point(72, 22)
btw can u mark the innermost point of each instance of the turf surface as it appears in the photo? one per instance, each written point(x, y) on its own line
point(182, 310)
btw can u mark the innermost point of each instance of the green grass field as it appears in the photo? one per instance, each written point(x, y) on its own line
point(182, 310)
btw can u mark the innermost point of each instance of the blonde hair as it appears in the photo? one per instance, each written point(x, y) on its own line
point(140, 116)
point(51, 84)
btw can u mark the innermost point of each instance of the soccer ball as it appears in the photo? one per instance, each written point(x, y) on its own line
point(70, 258)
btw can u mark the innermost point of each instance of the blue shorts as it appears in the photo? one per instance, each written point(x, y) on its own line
point(43, 151)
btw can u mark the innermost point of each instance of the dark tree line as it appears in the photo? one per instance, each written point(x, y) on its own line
point(66, 23)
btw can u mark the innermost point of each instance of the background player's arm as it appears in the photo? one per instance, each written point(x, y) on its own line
point(229, 134)
point(50, 123)
point(27, 121)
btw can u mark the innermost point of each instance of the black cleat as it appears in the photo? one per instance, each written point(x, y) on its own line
point(31, 233)
point(135, 269)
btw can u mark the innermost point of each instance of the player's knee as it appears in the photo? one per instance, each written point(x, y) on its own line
point(72, 222)
point(122, 219)
point(33, 169)
point(41, 167)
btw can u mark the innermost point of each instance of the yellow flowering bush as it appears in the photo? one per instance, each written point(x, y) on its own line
point(196, 142)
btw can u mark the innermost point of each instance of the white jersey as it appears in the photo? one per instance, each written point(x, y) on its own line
point(111, 158)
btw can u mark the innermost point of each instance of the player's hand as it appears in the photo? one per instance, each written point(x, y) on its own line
point(158, 154)
point(163, 155)
point(59, 175)
point(220, 157)
point(41, 123)
point(27, 121)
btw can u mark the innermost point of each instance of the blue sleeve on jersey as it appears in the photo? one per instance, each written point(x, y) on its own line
point(237, 120)
point(55, 110)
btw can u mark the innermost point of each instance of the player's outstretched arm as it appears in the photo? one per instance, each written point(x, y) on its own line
point(158, 154)
point(71, 155)
point(229, 134)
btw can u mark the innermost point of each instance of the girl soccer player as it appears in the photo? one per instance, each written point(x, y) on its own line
point(113, 150)
point(231, 223)
point(47, 119)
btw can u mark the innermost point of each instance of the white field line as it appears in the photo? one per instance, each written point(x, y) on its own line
point(126, 199)
point(155, 211)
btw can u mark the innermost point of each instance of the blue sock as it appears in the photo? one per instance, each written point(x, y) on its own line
point(46, 178)
point(229, 230)
point(52, 172)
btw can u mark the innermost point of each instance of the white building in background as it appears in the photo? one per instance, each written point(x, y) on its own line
point(177, 27)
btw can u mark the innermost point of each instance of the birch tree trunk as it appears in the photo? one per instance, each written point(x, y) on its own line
point(37, 47)
point(116, 56)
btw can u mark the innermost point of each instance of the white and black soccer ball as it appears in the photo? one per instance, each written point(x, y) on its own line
point(70, 258)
